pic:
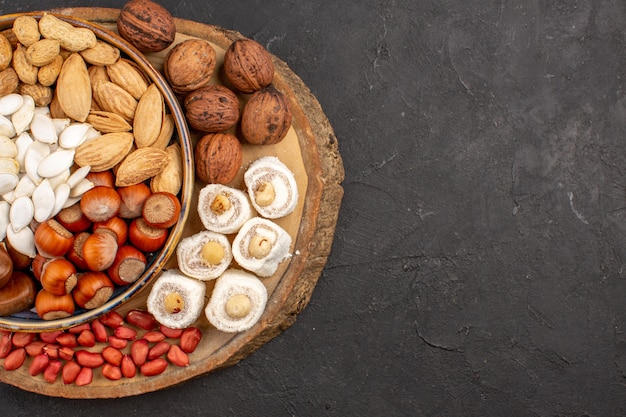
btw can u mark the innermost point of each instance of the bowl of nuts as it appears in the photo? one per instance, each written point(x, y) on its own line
point(96, 171)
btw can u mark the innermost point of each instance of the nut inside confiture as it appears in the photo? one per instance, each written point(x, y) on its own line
point(238, 306)
point(212, 252)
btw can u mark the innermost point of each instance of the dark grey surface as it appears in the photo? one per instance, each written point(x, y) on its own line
point(478, 265)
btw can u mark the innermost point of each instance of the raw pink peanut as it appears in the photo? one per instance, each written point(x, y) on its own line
point(66, 353)
point(159, 349)
point(15, 359)
point(189, 339)
point(126, 333)
point(5, 345)
point(111, 372)
point(52, 371)
point(153, 336)
point(153, 367)
point(70, 372)
point(84, 377)
point(38, 364)
point(89, 359)
point(112, 319)
point(52, 350)
point(99, 331)
point(176, 356)
point(21, 339)
point(78, 329)
point(112, 355)
point(86, 338)
point(67, 340)
point(139, 351)
point(34, 348)
point(128, 368)
point(142, 319)
point(117, 343)
point(171, 333)
point(50, 337)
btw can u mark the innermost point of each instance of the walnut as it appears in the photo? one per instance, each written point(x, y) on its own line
point(214, 108)
point(266, 117)
point(248, 66)
point(189, 65)
point(218, 157)
point(147, 25)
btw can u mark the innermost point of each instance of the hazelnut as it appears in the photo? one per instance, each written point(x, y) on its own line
point(266, 117)
point(189, 65)
point(248, 66)
point(217, 158)
point(214, 108)
point(147, 25)
point(238, 306)
point(212, 252)
point(265, 194)
point(220, 204)
point(259, 246)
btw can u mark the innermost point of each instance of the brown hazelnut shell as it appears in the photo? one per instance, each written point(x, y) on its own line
point(218, 157)
point(248, 66)
point(147, 25)
point(189, 65)
point(266, 117)
point(213, 108)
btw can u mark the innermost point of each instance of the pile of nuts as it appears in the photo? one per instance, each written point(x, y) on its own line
point(88, 177)
point(120, 347)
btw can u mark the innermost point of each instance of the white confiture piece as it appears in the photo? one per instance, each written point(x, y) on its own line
point(10, 103)
point(228, 220)
point(23, 241)
point(170, 283)
point(274, 239)
point(192, 259)
point(245, 286)
point(281, 190)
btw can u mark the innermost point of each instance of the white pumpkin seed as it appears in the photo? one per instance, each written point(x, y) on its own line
point(9, 165)
point(23, 241)
point(36, 152)
point(22, 213)
point(43, 201)
point(22, 143)
point(6, 127)
point(10, 103)
point(59, 179)
point(71, 201)
point(4, 218)
point(81, 188)
point(74, 135)
point(8, 148)
point(43, 130)
point(24, 188)
point(60, 125)
point(45, 110)
point(61, 194)
point(8, 197)
point(78, 175)
point(24, 115)
point(55, 163)
point(8, 182)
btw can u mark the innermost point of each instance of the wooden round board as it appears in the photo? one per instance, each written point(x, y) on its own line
point(310, 151)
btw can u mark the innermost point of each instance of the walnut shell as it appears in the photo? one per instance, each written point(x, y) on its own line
point(217, 158)
point(214, 108)
point(147, 25)
point(266, 117)
point(189, 65)
point(248, 66)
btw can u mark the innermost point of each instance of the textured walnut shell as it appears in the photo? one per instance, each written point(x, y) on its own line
point(214, 108)
point(147, 25)
point(218, 157)
point(189, 65)
point(248, 66)
point(266, 117)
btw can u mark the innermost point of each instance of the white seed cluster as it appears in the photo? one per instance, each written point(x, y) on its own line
point(36, 156)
